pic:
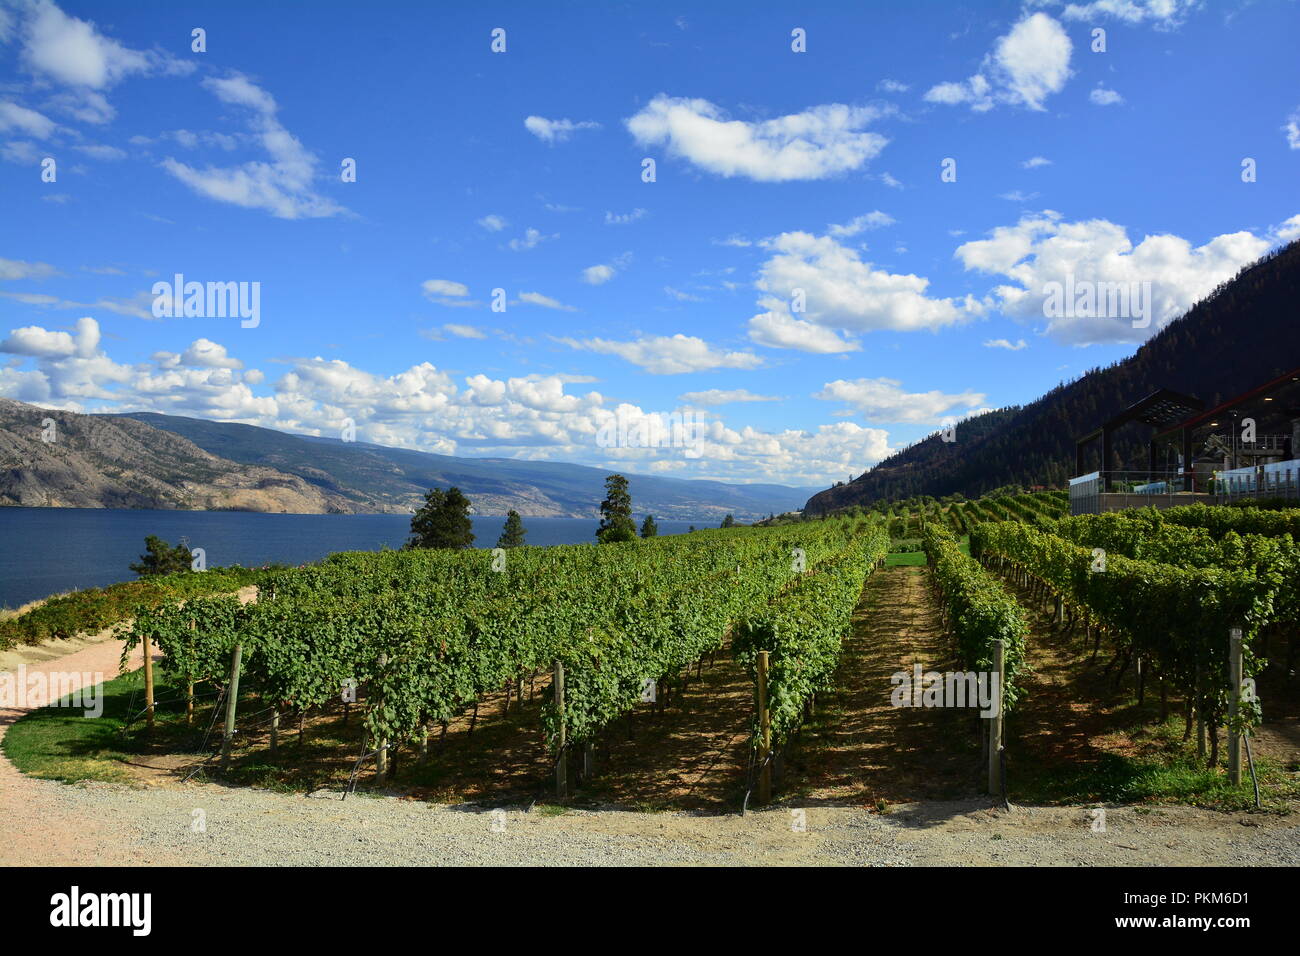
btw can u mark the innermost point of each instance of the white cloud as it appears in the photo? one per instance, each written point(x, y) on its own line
point(883, 400)
point(73, 52)
point(1006, 344)
point(545, 301)
point(204, 353)
point(890, 181)
point(717, 396)
point(871, 220)
point(1288, 231)
point(1162, 14)
point(681, 296)
point(842, 293)
point(1026, 66)
point(622, 219)
point(1042, 248)
point(285, 186)
point(464, 331)
point(892, 86)
point(422, 407)
point(1035, 161)
point(1018, 196)
point(820, 142)
point(109, 153)
point(17, 269)
point(1292, 130)
point(1104, 97)
point(530, 239)
point(438, 287)
point(83, 104)
point(493, 222)
point(596, 275)
point(15, 118)
point(668, 355)
point(555, 131)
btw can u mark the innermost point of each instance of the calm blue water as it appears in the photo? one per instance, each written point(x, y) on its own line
point(45, 551)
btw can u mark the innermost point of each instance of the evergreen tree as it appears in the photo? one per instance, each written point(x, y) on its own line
point(616, 522)
point(161, 558)
point(648, 527)
point(512, 533)
point(443, 521)
point(728, 522)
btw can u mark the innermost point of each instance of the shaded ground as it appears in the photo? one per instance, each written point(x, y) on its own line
point(1080, 735)
point(862, 750)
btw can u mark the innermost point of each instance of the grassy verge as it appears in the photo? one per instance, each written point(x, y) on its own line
point(1161, 769)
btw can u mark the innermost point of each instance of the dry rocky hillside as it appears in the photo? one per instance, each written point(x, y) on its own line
point(101, 462)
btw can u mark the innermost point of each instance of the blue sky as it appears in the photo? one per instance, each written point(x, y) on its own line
point(776, 172)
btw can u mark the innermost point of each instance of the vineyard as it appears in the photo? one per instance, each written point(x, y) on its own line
point(418, 638)
point(728, 647)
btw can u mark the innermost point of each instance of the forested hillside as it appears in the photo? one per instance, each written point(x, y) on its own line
point(1241, 335)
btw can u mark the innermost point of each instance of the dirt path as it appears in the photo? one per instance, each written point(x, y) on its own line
point(862, 750)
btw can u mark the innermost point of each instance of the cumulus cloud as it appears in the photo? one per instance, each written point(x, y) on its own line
point(883, 400)
point(1035, 161)
point(284, 187)
point(1100, 96)
point(557, 130)
point(668, 355)
point(841, 293)
point(1026, 66)
point(1043, 248)
point(493, 222)
point(422, 407)
point(820, 142)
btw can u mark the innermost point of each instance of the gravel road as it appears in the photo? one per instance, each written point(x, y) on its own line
point(43, 822)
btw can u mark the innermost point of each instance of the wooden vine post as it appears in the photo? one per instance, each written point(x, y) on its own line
point(1234, 705)
point(189, 684)
point(232, 698)
point(148, 682)
point(995, 721)
point(764, 733)
point(562, 761)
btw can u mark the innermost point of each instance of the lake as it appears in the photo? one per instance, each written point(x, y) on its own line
point(50, 550)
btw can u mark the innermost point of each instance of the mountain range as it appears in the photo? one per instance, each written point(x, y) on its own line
point(147, 460)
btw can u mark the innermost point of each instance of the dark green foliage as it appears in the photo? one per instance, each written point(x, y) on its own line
point(443, 521)
point(161, 558)
point(729, 521)
point(512, 532)
point(648, 527)
point(616, 522)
